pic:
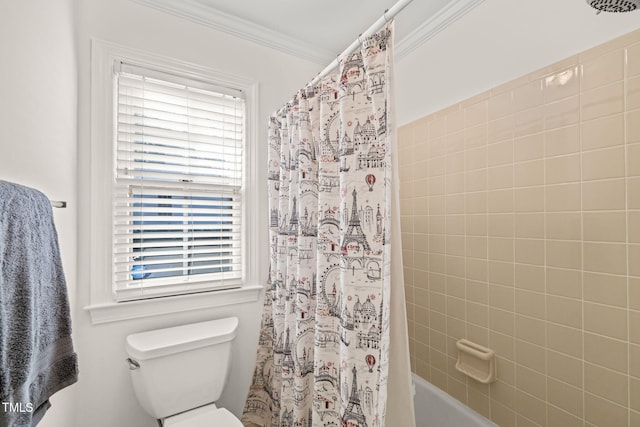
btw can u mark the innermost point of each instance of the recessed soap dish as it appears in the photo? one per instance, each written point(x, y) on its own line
point(476, 361)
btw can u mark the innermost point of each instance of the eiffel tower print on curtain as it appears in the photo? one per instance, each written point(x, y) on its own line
point(354, 416)
point(354, 231)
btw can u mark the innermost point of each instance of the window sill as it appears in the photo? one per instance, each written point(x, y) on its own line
point(116, 312)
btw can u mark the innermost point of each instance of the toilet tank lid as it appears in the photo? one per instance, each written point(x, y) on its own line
point(162, 342)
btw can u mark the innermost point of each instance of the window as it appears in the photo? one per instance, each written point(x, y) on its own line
point(172, 204)
point(177, 212)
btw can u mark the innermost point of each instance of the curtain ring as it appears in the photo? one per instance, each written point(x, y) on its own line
point(359, 40)
point(385, 16)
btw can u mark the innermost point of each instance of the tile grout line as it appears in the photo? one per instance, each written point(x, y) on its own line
point(544, 236)
point(580, 147)
point(626, 205)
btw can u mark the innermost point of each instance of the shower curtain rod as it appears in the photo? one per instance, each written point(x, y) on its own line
point(388, 15)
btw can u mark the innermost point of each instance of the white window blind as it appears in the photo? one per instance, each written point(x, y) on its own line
point(177, 212)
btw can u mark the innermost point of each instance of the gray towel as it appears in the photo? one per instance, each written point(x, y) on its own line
point(36, 352)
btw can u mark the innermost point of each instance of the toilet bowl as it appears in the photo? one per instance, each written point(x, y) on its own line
point(179, 373)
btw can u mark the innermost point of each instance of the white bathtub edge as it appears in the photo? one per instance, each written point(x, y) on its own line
point(453, 405)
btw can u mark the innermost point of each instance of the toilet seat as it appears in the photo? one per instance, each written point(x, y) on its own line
point(205, 416)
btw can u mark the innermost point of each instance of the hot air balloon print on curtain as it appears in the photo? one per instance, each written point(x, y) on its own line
point(370, 180)
point(371, 361)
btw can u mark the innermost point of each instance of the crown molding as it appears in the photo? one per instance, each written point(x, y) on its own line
point(198, 12)
point(432, 26)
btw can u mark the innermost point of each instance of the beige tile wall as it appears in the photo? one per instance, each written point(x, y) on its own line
point(521, 232)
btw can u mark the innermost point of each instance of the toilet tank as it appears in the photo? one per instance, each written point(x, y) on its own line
point(182, 367)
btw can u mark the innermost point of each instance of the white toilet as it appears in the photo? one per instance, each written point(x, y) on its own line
point(178, 373)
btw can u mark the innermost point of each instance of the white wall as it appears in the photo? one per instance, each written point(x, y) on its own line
point(38, 121)
point(105, 395)
point(497, 41)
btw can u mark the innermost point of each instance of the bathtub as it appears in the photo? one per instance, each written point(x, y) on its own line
point(435, 408)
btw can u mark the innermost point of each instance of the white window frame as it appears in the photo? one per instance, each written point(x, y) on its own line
point(104, 306)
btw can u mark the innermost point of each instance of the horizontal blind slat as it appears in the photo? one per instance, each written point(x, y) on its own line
point(123, 253)
point(194, 268)
point(220, 259)
point(130, 244)
point(139, 168)
point(176, 176)
point(173, 123)
point(181, 149)
point(141, 160)
point(163, 101)
point(139, 107)
point(222, 202)
point(217, 280)
point(179, 138)
point(151, 90)
point(126, 186)
point(128, 141)
point(164, 86)
point(221, 213)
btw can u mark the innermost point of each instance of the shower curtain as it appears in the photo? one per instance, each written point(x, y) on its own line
point(324, 347)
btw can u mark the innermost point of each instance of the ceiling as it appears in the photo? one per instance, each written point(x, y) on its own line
point(316, 30)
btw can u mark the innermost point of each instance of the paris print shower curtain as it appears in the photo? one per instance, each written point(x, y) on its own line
point(324, 344)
